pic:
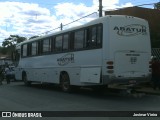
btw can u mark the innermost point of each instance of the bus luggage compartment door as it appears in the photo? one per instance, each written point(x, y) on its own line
point(131, 64)
point(90, 75)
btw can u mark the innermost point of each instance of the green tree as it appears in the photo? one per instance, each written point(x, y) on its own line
point(157, 6)
point(12, 41)
point(3, 50)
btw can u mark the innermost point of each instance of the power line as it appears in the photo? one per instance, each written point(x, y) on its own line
point(87, 16)
point(80, 18)
point(133, 6)
point(68, 23)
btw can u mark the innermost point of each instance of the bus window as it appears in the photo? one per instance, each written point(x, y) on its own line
point(65, 42)
point(39, 48)
point(86, 39)
point(78, 39)
point(34, 48)
point(93, 37)
point(71, 41)
point(58, 43)
point(46, 45)
point(52, 43)
point(24, 50)
point(99, 36)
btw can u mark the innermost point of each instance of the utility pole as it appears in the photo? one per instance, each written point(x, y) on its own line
point(61, 26)
point(100, 8)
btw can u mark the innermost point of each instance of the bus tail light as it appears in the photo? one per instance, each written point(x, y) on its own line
point(150, 66)
point(109, 63)
point(110, 67)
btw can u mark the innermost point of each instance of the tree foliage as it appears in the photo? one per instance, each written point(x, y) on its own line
point(12, 40)
point(157, 6)
point(8, 45)
point(3, 50)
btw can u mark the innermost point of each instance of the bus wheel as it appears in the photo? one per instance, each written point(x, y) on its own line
point(25, 80)
point(65, 82)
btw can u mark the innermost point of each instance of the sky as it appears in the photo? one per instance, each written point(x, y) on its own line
point(28, 18)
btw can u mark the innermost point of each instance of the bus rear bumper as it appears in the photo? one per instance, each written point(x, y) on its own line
point(128, 80)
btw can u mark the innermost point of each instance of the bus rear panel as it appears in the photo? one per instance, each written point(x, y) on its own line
point(127, 59)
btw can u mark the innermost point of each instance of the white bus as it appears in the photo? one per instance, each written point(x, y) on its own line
point(110, 49)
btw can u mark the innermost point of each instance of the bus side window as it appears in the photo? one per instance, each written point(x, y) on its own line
point(24, 50)
point(87, 38)
point(34, 48)
point(78, 39)
point(58, 43)
point(39, 47)
point(65, 42)
point(90, 37)
point(71, 41)
point(53, 44)
point(99, 36)
point(46, 45)
point(29, 49)
point(93, 37)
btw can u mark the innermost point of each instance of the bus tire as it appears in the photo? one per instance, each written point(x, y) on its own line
point(65, 82)
point(25, 80)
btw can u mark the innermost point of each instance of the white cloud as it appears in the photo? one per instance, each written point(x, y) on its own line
point(112, 4)
point(126, 5)
point(24, 19)
point(28, 19)
point(3, 34)
point(67, 12)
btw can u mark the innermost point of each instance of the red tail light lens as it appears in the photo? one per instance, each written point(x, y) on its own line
point(109, 63)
